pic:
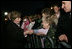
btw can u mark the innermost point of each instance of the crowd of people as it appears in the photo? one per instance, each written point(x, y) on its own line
point(15, 32)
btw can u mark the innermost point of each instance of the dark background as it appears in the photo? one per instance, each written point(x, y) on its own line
point(27, 7)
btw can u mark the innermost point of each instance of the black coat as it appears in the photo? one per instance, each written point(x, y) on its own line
point(64, 26)
point(13, 37)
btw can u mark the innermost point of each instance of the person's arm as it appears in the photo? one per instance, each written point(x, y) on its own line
point(28, 32)
point(20, 34)
point(40, 33)
point(33, 32)
point(37, 32)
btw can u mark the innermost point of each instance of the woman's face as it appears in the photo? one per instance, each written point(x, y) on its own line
point(17, 20)
point(45, 24)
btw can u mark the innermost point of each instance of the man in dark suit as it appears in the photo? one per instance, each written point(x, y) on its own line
point(13, 37)
point(64, 25)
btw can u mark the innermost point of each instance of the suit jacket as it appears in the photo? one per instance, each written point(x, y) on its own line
point(13, 36)
point(64, 26)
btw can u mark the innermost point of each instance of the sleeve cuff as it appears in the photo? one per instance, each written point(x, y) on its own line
point(36, 31)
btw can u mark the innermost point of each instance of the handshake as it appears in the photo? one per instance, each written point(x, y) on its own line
point(28, 32)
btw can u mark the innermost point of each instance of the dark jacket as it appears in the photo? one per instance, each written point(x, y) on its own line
point(64, 26)
point(12, 37)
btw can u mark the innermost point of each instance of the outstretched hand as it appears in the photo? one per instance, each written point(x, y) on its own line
point(28, 32)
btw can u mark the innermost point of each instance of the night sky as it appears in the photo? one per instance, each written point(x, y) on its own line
point(27, 7)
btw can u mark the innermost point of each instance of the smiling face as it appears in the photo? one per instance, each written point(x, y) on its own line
point(17, 20)
point(66, 5)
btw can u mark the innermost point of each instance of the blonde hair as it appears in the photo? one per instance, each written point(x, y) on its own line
point(50, 19)
point(54, 17)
